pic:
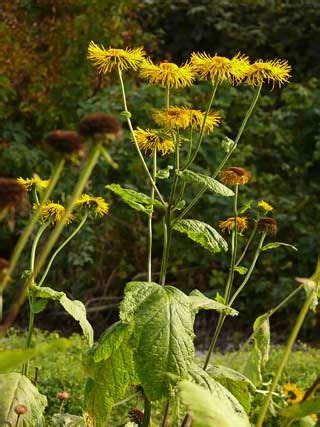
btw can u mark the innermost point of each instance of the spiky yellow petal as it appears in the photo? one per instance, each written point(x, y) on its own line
point(265, 206)
point(97, 204)
point(34, 182)
point(167, 74)
point(150, 139)
point(228, 224)
point(106, 59)
point(292, 393)
point(235, 176)
point(276, 72)
point(53, 212)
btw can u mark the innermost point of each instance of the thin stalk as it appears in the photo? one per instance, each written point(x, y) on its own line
point(166, 414)
point(198, 196)
point(203, 126)
point(154, 173)
point(247, 244)
point(167, 98)
point(146, 412)
point(85, 175)
point(30, 226)
point(72, 235)
point(234, 246)
point(293, 336)
point(135, 139)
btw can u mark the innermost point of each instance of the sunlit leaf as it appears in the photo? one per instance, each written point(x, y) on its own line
point(211, 183)
point(274, 245)
point(199, 301)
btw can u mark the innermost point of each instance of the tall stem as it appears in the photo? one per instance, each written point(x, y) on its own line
point(72, 235)
point(198, 196)
point(85, 175)
point(146, 413)
point(293, 336)
point(203, 126)
point(124, 99)
point(154, 173)
point(247, 244)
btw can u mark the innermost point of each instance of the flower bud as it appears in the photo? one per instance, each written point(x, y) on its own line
point(63, 395)
point(20, 409)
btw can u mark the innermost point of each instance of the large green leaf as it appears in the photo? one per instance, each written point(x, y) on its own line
point(209, 410)
point(202, 233)
point(11, 359)
point(238, 384)
point(199, 301)
point(275, 245)
point(16, 389)
point(111, 371)
point(138, 201)
point(302, 409)
point(162, 335)
point(67, 420)
point(75, 308)
point(204, 180)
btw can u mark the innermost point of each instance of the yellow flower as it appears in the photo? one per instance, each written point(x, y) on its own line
point(183, 118)
point(235, 176)
point(53, 212)
point(150, 139)
point(292, 393)
point(106, 59)
point(228, 224)
point(265, 206)
point(34, 182)
point(219, 68)
point(98, 204)
point(167, 74)
point(276, 71)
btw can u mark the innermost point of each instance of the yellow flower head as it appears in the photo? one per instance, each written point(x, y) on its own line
point(167, 74)
point(228, 224)
point(235, 176)
point(34, 182)
point(292, 393)
point(106, 59)
point(276, 71)
point(183, 118)
point(53, 212)
point(220, 68)
point(265, 206)
point(97, 204)
point(150, 139)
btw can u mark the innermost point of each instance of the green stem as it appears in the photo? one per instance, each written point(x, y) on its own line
point(293, 336)
point(154, 173)
point(146, 412)
point(74, 233)
point(30, 226)
point(135, 139)
point(198, 196)
point(85, 175)
point(247, 244)
point(234, 246)
point(167, 98)
point(203, 126)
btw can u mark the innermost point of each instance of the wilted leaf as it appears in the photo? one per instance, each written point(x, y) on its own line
point(274, 245)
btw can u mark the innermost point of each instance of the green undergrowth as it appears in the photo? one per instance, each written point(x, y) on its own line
point(62, 370)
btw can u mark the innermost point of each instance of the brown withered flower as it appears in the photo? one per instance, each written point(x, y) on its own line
point(12, 194)
point(63, 395)
point(100, 124)
point(65, 141)
point(20, 409)
point(136, 416)
point(235, 176)
point(268, 225)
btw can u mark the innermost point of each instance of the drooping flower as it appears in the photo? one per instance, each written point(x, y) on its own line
point(268, 225)
point(98, 124)
point(53, 212)
point(265, 206)
point(97, 204)
point(183, 118)
point(276, 72)
point(292, 393)
point(65, 141)
point(106, 59)
point(12, 194)
point(34, 182)
point(235, 176)
point(150, 139)
point(229, 224)
point(219, 68)
point(167, 74)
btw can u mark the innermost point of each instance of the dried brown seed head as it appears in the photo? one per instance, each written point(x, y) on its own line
point(65, 141)
point(98, 124)
point(235, 176)
point(268, 225)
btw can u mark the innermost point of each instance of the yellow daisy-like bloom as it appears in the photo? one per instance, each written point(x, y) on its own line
point(106, 59)
point(167, 74)
point(235, 176)
point(183, 118)
point(265, 206)
point(276, 71)
point(228, 224)
point(292, 393)
point(53, 212)
point(98, 204)
point(150, 139)
point(219, 68)
point(34, 182)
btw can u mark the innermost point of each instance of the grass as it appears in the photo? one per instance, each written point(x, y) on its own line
point(63, 370)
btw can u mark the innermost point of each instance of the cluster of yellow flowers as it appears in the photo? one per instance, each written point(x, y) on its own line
point(216, 68)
